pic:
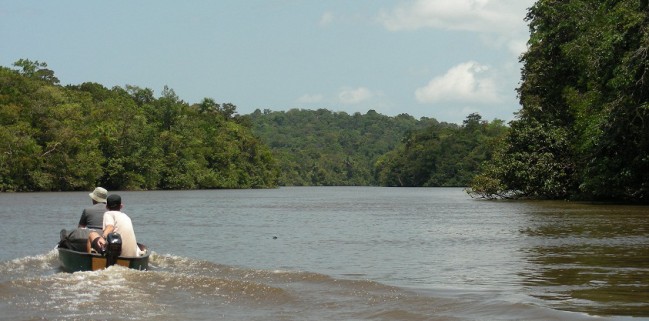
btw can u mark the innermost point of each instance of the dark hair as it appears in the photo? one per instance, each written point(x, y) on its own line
point(113, 202)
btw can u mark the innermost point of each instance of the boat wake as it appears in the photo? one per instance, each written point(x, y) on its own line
point(176, 288)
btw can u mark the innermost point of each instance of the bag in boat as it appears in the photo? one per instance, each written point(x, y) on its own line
point(76, 240)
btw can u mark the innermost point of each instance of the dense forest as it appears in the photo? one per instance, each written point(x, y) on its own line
point(56, 138)
point(61, 138)
point(441, 155)
point(325, 148)
point(321, 147)
point(583, 128)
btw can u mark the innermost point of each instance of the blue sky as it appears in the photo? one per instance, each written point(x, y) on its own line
point(442, 59)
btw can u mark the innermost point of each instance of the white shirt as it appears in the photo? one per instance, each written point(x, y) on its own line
point(122, 224)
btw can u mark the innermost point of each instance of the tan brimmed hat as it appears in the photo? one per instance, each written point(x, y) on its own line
point(99, 194)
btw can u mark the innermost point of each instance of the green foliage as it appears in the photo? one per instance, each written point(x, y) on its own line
point(80, 136)
point(321, 147)
point(533, 161)
point(441, 154)
point(36, 70)
point(582, 130)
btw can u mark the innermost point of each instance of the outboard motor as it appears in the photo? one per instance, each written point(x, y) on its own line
point(113, 248)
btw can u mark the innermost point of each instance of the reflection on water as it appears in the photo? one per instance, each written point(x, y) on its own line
point(589, 258)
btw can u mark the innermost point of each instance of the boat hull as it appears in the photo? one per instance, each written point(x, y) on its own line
point(74, 261)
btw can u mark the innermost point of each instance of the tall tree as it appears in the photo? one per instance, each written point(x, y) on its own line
point(581, 131)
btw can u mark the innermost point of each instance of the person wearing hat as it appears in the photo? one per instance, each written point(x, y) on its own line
point(118, 222)
point(93, 217)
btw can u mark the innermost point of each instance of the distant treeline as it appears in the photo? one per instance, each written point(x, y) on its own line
point(583, 130)
point(60, 138)
point(321, 147)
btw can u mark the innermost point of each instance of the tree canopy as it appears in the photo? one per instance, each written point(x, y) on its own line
point(441, 154)
point(55, 138)
point(321, 147)
point(582, 131)
point(75, 137)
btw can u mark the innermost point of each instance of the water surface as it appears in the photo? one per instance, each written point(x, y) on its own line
point(322, 253)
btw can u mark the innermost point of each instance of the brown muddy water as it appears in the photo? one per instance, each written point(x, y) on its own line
point(325, 253)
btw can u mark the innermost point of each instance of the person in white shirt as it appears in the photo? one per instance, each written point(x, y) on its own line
point(115, 221)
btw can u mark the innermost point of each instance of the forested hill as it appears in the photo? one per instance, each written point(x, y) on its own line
point(321, 147)
point(55, 138)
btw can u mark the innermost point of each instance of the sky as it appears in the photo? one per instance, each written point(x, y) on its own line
point(442, 59)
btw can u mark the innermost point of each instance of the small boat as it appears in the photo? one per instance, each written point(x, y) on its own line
point(74, 261)
point(74, 256)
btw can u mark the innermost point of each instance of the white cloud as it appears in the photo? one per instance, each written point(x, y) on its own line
point(466, 82)
point(501, 17)
point(310, 99)
point(354, 96)
point(326, 18)
point(471, 15)
point(517, 46)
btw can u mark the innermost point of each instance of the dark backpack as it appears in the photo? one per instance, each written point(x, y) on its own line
point(76, 240)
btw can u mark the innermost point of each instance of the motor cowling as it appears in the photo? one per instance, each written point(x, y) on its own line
point(113, 248)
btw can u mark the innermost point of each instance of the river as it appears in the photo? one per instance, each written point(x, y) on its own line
point(334, 253)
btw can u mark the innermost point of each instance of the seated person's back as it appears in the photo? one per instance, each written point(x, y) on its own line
point(93, 217)
point(116, 221)
point(123, 225)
